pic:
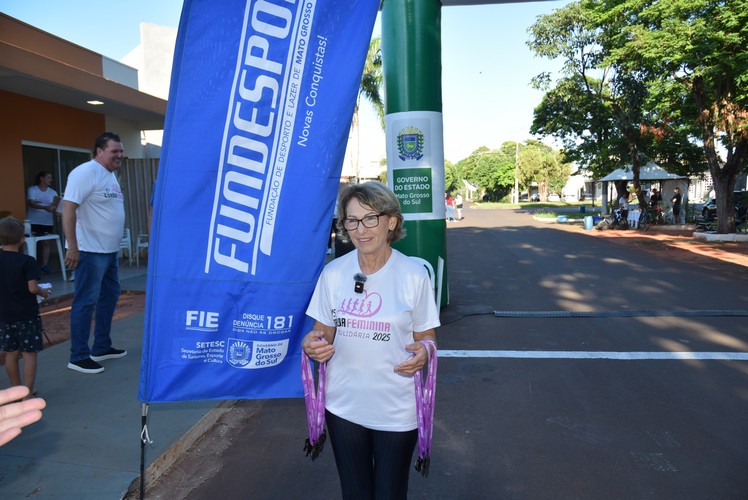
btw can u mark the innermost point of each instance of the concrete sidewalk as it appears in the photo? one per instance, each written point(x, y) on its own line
point(87, 444)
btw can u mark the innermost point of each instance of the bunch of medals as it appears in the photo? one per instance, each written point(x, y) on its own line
point(425, 399)
point(315, 406)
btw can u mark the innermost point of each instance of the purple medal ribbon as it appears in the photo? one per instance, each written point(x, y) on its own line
point(425, 399)
point(315, 406)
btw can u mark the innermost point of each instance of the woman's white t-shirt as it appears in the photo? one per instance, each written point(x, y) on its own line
point(43, 198)
point(372, 330)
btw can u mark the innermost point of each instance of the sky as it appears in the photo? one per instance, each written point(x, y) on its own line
point(486, 65)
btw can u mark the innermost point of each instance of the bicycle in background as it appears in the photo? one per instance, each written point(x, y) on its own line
point(613, 221)
point(645, 218)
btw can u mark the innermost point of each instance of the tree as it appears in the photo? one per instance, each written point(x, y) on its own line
point(452, 179)
point(695, 53)
point(539, 163)
point(596, 109)
point(370, 90)
point(584, 126)
point(491, 170)
point(576, 109)
point(600, 108)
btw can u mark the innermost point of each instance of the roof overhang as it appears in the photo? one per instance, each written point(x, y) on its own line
point(648, 172)
point(37, 64)
point(34, 75)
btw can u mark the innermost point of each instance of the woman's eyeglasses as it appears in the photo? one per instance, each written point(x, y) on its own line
point(369, 221)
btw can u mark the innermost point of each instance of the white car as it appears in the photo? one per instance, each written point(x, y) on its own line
point(554, 197)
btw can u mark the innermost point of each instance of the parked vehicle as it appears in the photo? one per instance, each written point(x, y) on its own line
point(554, 197)
point(709, 210)
point(535, 197)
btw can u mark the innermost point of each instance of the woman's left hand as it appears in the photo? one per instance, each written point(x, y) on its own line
point(417, 362)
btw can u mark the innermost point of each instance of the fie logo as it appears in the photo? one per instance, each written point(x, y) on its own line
point(205, 321)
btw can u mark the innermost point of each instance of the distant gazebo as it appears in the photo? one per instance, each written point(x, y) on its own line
point(651, 172)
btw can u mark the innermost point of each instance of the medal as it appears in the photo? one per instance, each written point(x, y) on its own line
point(425, 399)
point(314, 398)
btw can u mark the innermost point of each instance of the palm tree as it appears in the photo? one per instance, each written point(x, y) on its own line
point(371, 90)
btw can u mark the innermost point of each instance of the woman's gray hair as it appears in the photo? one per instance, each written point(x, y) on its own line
point(379, 198)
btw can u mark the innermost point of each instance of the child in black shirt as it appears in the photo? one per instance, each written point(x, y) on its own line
point(20, 324)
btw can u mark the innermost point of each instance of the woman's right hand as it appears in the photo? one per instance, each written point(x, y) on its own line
point(317, 347)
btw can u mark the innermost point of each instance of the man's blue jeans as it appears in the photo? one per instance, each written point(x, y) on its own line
point(97, 289)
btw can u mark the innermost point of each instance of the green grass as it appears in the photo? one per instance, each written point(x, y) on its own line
point(545, 214)
point(548, 214)
point(529, 205)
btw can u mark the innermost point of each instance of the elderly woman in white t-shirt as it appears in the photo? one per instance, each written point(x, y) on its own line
point(42, 203)
point(371, 308)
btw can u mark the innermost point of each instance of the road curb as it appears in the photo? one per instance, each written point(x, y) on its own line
point(731, 237)
point(176, 451)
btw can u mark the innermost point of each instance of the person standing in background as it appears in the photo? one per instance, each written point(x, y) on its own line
point(450, 206)
point(676, 205)
point(333, 229)
point(93, 218)
point(655, 198)
point(623, 205)
point(458, 206)
point(42, 202)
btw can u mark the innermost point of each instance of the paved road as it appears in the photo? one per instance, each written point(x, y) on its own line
point(541, 417)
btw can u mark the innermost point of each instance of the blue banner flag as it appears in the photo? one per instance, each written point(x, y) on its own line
point(261, 101)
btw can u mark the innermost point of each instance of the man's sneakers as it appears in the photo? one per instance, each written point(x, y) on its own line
point(91, 365)
point(110, 354)
point(87, 365)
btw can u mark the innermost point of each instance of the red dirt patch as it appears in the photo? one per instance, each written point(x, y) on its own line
point(56, 316)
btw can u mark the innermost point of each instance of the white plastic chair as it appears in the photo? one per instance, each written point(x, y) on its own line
point(435, 277)
point(633, 218)
point(126, 244)
point(141, 242)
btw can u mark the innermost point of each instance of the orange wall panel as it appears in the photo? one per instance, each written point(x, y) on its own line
point(28, 119)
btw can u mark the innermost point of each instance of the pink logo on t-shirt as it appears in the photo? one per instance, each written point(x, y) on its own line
point(363, 305)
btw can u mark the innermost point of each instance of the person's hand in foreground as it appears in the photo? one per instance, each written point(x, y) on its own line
point(14, 416)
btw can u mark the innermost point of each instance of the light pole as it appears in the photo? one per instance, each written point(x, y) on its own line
point(516, 179)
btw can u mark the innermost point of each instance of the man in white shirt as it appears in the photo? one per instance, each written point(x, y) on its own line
point(623, 204)
point(93, 219)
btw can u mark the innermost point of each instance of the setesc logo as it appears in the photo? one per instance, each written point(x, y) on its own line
point(204, 321)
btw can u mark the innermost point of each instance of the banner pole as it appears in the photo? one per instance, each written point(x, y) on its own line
point(411, 62)
point(143, 439)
